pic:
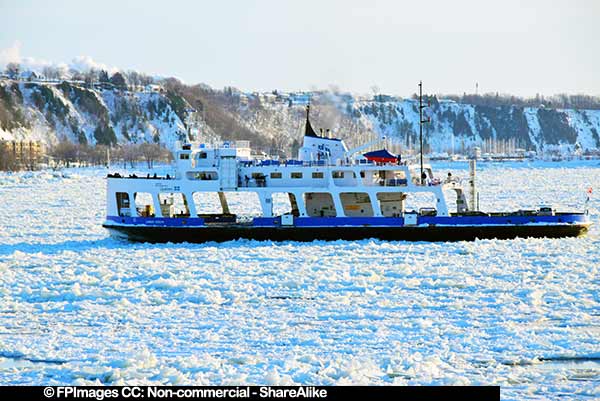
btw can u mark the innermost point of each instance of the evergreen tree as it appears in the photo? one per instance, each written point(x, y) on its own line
point(103, 76)
point(118, 80)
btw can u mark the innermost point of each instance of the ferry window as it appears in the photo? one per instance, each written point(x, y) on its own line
point(243, 204)
point(144, 205)
point(173, 204)
point(319, 204)
point(356, 204)
point(202, 155)
point(338, 174)
point(123, 204)
point(281, 203)
point(296, 175)
point(202, 175)
point(275, 175)
point(207, 203)
point(184, 156)
point(392, 204)
point(317, 174)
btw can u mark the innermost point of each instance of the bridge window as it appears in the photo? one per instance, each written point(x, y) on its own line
point(184, 156)
point(202, 175)
point(344, 178)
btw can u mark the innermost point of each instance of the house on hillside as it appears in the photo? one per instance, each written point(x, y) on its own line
point(154, 88)
point(299, 99)
point(30, 76)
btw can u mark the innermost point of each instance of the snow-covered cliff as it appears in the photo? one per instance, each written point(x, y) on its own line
point(51, 111)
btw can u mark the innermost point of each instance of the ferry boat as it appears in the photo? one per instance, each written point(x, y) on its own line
point(332, 193)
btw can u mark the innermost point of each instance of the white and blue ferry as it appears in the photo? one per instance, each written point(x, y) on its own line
point(334, 193)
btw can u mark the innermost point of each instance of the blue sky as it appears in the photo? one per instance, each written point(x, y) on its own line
point(518, 47)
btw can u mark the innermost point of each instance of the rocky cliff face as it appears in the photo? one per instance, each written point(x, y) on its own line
point(458, 125)
point(51, 111)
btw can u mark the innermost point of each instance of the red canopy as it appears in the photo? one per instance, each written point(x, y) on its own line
point(381, 156)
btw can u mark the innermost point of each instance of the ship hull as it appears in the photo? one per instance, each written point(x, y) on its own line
point(427, 233)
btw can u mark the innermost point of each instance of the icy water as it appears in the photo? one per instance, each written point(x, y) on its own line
point(77, 307)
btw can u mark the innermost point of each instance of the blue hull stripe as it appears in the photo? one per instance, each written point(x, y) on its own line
point(424, 220)
point(575, 218)
point(158, 221)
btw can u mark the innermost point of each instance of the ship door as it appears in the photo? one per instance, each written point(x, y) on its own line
point(228, 173)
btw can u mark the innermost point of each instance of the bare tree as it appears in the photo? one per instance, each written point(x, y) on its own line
point(76, 75)
point(375, 90)
point(90, 77)
point(51, 72)
point(151, 152)
point(66, 151)
point(146, 79)
point(131, 154)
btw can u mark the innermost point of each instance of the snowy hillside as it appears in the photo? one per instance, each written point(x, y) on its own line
point(455, 126)
point(274, 121)
point(50, 111)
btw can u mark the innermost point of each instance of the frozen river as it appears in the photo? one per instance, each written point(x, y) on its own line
point(77, 307)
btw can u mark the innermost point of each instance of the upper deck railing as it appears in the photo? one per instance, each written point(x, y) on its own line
point(318, 163)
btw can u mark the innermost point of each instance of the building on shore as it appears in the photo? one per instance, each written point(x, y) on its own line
point(21, 155)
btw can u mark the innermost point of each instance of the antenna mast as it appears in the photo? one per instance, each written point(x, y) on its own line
point(421, 122)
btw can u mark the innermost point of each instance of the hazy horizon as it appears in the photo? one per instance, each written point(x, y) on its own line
point(543, 47)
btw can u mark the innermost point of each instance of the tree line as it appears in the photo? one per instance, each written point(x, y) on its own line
point(119, 79)
point(67, 153)
point(560, 101)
